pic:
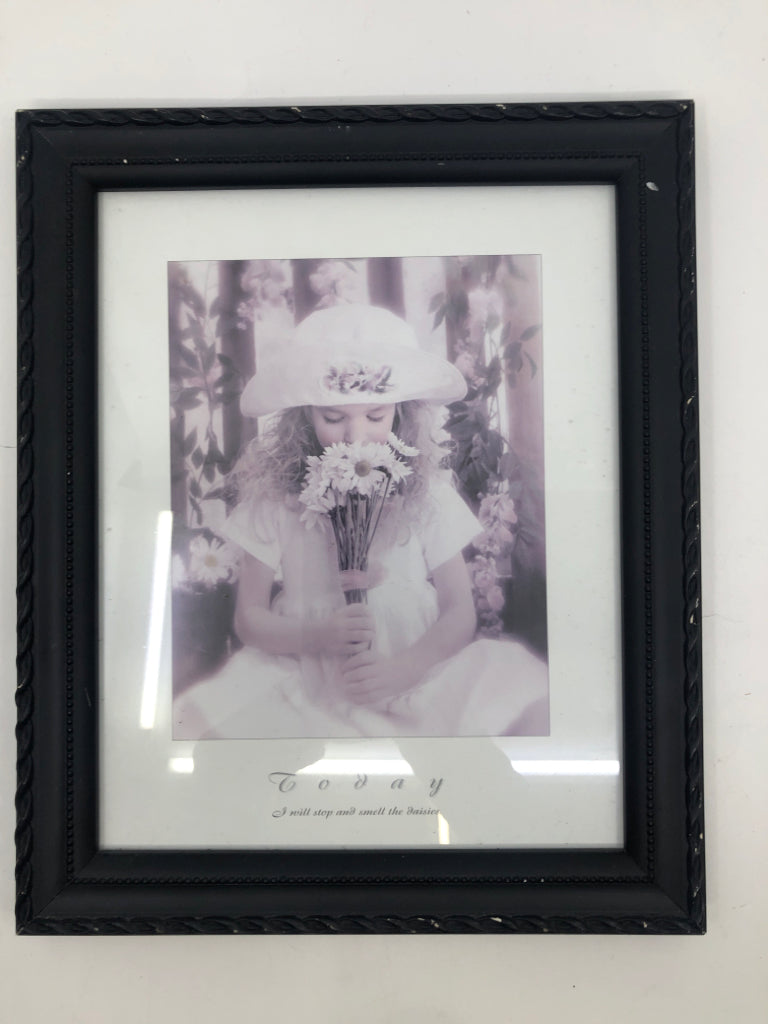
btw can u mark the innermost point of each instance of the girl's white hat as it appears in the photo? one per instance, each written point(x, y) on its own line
point(347, 355)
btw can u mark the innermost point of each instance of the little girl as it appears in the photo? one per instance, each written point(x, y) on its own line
point(402, 664)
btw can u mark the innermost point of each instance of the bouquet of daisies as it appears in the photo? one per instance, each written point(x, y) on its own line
point(350, 484)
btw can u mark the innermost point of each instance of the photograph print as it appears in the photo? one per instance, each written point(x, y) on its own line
point(357, 481)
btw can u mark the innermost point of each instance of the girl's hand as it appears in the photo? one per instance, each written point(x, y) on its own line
point(357, 579)
point(346, 632)
point(369, 678)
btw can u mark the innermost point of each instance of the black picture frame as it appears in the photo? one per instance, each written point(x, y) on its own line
point(65, 882)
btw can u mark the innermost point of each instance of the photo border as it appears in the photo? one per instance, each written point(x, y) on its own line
point(65, 882)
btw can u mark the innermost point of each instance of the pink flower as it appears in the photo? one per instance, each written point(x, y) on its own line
point(465, 364)
point(497, 508)
point(250, 280)
point(267, 282)
point(495, 598)
point(271, 292)
point(245, 312)
point(335, 282)
point(483, 573)
point(494, 539)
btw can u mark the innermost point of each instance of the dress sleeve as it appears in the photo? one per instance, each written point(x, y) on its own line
point(449, 525)
point(254, 526)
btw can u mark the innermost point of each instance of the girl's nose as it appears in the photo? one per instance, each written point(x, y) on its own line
point(356, 430)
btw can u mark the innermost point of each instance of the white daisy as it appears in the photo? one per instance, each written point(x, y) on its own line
point(401, 447)
point(211, 561)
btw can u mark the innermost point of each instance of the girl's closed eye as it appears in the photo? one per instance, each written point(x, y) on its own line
point(355, 422)
point(333, 418)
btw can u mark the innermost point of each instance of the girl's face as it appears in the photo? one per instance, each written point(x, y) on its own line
point(347, 423)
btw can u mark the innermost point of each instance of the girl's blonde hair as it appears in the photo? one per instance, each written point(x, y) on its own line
point(274, 464)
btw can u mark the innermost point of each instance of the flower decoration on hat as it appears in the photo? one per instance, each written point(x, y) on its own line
point(346, 354)
point(356, 378)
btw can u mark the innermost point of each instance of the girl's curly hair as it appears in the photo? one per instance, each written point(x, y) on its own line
point(274, 464)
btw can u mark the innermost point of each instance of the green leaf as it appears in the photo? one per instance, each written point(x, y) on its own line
point(209, 358)
point(464, 429)
point(221, 493)
point(225, 378)
point(513, 358)
point(534, 367)
point(188, 377)
point(190, 358)
point(195, 490)
point(439, 317)
point(495, 446)
point(193, 299)
point(188, 399)
point(459, 408)
point(514, 270)
point(215, 307)
point(214, 455)
point(436, 301)
point(457, 307)
point(189, 442)
point(530, 332)
point(200, 343)
point(493, 375)
point(460, 416)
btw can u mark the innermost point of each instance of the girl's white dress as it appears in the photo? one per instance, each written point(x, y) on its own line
point(490, 688)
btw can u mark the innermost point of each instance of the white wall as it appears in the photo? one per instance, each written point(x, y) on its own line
point(157, 52)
